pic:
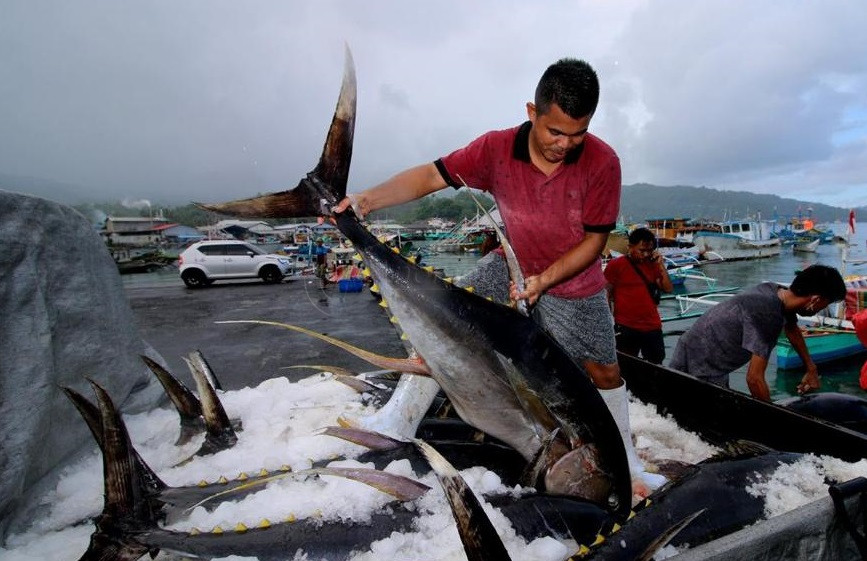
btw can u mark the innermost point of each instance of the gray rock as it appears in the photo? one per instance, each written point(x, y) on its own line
point(64, 317)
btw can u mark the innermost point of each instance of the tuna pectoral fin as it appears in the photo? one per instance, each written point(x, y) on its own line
point(187, 404)
point(409, 365)
point(400, 487)
point(544, 457)
point(336, 370)
point(663, 539)
point(369, 439)
point(480, 538)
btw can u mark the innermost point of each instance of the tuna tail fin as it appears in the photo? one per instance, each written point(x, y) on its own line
point(327, 181)
point(125, 508)
point(186, 403)
point(151, 482)
point(480, 538)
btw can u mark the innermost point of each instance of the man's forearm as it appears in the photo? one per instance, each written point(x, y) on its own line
point(574, 261)
point(756, 378)
point(406, 186)
point(796, 338)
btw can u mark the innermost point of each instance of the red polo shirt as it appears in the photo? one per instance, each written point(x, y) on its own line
point(545, 216)
point(633, 306)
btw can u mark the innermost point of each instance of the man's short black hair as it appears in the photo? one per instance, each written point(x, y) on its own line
point(570, 83)
point(639, 235)
point(819, 280)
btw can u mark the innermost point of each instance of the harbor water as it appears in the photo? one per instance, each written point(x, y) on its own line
point(840, 376)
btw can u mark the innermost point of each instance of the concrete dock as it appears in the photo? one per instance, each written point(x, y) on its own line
point(176, 320)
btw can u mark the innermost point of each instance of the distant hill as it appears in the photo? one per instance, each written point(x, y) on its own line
point(642, 200)
point(638, 202)
point(66, 193)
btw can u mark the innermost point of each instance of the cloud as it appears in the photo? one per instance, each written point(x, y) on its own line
point(196, 100)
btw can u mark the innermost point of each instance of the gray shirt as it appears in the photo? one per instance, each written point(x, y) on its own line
point(727, 335)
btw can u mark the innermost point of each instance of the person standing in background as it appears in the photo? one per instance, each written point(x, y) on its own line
point(635, 283)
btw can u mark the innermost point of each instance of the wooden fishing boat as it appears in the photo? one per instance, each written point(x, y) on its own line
point(739, 239)
point(720, 415)
point(806, 246)
point(825, 344)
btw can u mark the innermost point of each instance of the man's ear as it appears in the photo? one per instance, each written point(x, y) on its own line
point(531, 111)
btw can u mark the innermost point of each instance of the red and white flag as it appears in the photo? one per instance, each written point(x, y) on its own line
point(852, 222)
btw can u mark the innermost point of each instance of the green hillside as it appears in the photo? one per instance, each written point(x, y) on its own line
point(642, 200)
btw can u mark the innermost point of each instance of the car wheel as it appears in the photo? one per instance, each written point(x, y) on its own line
point(195, 278)
point(270, 274)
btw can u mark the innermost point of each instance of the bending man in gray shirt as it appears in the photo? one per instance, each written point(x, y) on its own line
point(744, 329)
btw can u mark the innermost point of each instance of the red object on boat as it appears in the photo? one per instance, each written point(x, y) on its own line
point(859, 320)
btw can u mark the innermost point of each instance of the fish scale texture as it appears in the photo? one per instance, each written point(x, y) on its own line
point(65, 317)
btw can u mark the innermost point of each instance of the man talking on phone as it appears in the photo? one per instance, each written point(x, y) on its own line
point(635, 283)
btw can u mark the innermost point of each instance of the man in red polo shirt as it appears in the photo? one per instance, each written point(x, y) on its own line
point(557, 188)
point(631, 278)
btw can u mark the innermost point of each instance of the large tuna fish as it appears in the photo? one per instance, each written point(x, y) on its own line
point(503, 373)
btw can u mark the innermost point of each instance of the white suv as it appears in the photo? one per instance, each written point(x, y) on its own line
point(204, 262)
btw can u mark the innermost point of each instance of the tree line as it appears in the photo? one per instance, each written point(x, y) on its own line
point(454, 208)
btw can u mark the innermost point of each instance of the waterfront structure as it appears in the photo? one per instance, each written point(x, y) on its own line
point(739, 239)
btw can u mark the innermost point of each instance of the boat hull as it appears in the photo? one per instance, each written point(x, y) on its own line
point(720, 415)
point(823, 347)
point(731, 247)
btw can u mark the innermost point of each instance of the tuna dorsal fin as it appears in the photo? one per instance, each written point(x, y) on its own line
point(739, 449)
point(197, 357)
point(151, 482)
point(123, 497)
point(669, 534)
point(219, 432)
point(188, 406)
point(480, 538)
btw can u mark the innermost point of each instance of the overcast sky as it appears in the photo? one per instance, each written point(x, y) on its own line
point(173, 101)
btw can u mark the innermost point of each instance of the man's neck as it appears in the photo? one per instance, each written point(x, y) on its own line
point(540, 162)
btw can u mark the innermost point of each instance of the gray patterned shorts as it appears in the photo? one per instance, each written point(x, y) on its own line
point(583, 326)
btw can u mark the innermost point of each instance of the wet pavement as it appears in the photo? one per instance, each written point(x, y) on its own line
point(176, 320)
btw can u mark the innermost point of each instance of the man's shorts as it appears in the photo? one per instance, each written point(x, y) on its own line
point(584, 327)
